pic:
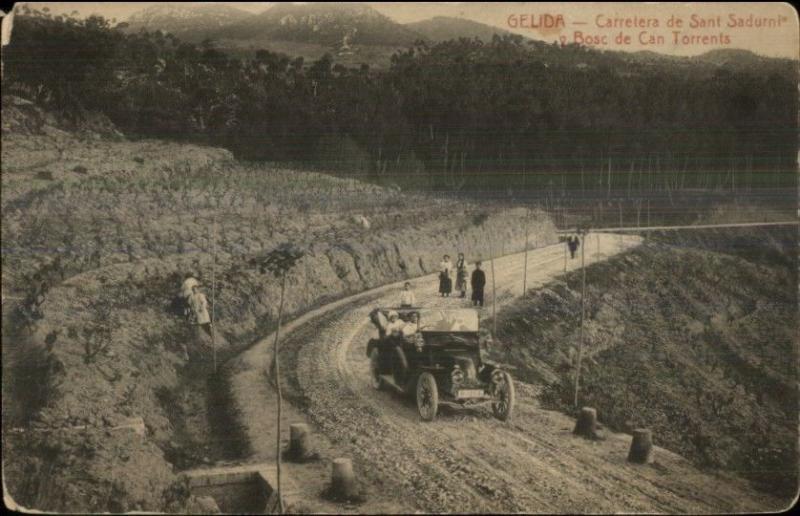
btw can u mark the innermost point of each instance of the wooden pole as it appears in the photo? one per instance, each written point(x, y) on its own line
point(638, 212)
point(280, 397)
point(583, 311)
point(213, 293)
point(597, 257)
point(494, 292)
point(525, 267)
point(566, 244)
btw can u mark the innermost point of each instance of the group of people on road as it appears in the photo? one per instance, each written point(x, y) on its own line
point(477, 279)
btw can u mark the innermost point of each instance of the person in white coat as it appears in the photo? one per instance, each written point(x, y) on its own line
point(187, 289)
point(199, 306)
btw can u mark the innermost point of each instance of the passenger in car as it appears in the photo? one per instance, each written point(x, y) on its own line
point(395, 326)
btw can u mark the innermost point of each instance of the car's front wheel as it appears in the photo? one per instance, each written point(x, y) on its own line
point(505, 396)
point(374, 369)
point(427, 397)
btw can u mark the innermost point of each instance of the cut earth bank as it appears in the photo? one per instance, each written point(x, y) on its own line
point(97, 235)
point(693, 334)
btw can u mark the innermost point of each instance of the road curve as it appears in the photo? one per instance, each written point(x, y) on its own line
point(644, 229)
point(466, 460)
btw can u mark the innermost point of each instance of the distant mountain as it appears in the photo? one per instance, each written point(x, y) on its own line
point(321, 23)
point(190, 22)
point(442, 28)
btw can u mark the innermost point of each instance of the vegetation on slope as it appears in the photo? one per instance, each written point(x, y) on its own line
point(440, 116)
point(97, 237)
point(700, 346)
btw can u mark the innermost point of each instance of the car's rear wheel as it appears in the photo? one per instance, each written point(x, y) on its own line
point(427, 397)
point(374, 369)
point(503, 407)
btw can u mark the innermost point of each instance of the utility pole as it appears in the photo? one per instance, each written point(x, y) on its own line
point(280, 396)
point(583, 312)
point(494, 292)
point(213, 292)
point(525, 267)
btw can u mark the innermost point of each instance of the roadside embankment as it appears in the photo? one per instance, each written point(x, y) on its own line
point(693, 335)
point(97, 238)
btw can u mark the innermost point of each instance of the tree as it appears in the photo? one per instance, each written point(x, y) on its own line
point(279, 262)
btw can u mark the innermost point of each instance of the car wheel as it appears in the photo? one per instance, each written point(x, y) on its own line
point(504, 392)
point(427, 396)
point(374, 369)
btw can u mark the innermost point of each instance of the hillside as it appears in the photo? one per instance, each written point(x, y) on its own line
point(98, 234)
point(330, 24)
point(190, 22)
point(694, 337)
point(443, 28)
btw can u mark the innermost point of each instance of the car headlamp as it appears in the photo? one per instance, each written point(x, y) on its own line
point(457, 376)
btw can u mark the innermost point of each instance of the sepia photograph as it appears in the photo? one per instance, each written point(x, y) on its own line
point(400, 257)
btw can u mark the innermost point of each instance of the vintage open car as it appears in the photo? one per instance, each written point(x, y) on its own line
point(440, 362)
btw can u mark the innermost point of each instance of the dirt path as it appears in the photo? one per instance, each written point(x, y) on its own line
point(466, 460)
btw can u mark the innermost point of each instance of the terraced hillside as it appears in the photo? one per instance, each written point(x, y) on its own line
point(97, 235)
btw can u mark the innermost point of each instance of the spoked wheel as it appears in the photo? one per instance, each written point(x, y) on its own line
point(427, 396)
point(503, 408)
point(375, 377)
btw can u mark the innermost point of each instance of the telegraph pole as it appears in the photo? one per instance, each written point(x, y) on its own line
point(213, 292)
point(525, 267)
point(583, 312)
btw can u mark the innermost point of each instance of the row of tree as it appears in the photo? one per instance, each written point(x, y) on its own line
point(456, 115)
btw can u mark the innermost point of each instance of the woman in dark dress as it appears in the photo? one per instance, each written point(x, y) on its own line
point(461, 275)
point(445, 281)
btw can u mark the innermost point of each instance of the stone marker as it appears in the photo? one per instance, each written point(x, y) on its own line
point(298, 441)
point(343, 481)
point(641, 451)
point(586, 426)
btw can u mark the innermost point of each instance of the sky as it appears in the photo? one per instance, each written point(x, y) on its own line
point(605, 25)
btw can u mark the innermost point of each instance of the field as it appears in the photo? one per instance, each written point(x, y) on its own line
point(692, 335)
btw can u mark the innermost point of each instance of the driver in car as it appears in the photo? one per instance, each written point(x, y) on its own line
point(409, 329)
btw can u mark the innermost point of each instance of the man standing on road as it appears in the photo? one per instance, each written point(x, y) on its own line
point(573, 242)
point(477, 282)
point(407, 299)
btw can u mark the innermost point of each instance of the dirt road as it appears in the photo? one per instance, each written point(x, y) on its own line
point(466, 460)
